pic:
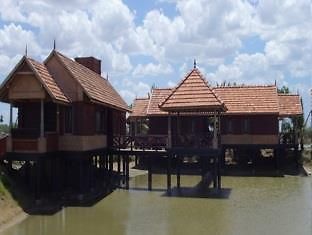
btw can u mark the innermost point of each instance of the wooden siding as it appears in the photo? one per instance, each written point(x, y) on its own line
point(19, 145)
point(26, 87)
point(258, 124)
point(158, 126)
point(81, 143)
point(249, 139)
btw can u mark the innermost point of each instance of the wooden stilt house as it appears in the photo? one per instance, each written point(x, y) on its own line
point(62, 105)
point(229, 117)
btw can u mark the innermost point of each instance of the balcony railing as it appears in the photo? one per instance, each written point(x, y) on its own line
point(192, 140)
point(161, 141)
point(25, 133)
point(140, 142)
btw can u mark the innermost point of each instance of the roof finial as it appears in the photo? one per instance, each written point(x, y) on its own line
point(275, 82)
point(26, 50)
point(54, 44)
point(194, 63)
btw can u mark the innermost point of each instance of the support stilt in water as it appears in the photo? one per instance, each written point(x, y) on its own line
point(178, 172)
point(169, 174)
point(149, 162)
point(127, 171)
point(219, 172)
point(215, 174)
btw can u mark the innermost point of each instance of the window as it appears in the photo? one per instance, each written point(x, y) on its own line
point(100, 121)
point(245, 126)
point(68, 120)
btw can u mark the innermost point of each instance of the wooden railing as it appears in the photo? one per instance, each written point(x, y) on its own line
point(191, 140)
point(140, 142)
point(25, 133)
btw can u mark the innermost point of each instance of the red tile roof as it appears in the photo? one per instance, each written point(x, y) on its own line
point(157, 96)
point(139, 107)
point(249, 99)
point(193, 93)
point(96, 87)
point(47, 81)
point(289, 105)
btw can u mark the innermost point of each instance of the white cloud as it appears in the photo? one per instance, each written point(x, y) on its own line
point(151, 69)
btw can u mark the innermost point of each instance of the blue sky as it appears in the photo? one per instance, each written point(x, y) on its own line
point(145, 43)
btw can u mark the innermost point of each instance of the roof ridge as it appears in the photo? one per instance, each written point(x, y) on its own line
point(201, 77)
point(244, 86)
point(74, 61)
point(93, 84)
point(176, 87)
point(211, 89)
point(288, 94)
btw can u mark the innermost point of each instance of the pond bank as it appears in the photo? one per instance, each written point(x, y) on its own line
point(11, 212)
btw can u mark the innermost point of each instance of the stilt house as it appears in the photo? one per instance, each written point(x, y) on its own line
point(62, 105)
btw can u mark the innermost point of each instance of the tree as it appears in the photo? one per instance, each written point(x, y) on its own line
point(283, 90)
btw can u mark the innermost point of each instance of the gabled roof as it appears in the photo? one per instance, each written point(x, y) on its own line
point(289, 105)
point(97, 88)
point(48, 82)
point(249, 99)
point(139, 107)
point(193, 93)
point(157, 96)
point(43, 76)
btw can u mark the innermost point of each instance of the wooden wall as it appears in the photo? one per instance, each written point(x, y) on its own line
point(259, 124)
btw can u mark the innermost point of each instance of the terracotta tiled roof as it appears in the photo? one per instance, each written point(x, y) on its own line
point(139, 107)
point(249, 99)
point(157, 96)
point(289, 105)
point(48, 82)
point(193, 93)
point(96, 87)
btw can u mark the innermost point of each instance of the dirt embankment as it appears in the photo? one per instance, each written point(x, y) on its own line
point(10, 211)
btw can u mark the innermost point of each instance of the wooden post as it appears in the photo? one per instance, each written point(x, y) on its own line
point(169, 173)
point(127, 172)
point(169, 132)
point(57, 118)
point(178, 172)
point(219, 172)
point(41, 118)
point(215, 173)
point(11, 117)
point(215, 138)
point(149, 162)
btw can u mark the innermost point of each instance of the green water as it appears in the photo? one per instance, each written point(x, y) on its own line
point(256, 205)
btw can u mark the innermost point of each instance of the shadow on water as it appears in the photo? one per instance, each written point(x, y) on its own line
point(51, 203)
point(199, 192)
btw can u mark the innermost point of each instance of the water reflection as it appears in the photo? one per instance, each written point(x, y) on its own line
point(256, 205)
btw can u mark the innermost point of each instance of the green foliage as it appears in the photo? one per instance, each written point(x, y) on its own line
point(307, 135)
point(283, 90)
point(4, 128)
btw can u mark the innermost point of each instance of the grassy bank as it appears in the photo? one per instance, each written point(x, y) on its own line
point(11, 212)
